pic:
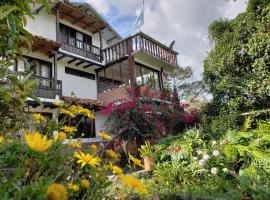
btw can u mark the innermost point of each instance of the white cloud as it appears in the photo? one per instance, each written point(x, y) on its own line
point(185, 21)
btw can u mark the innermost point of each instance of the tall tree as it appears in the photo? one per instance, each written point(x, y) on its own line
point(238, 67)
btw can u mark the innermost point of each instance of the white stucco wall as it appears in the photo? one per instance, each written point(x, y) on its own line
point(43, 24)
point(81, 87)
point(100, 121)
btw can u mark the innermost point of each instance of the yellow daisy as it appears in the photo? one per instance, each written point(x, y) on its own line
point(57, 192)
point(39, 117)
point(73, 186)
point(85, 183)
point(68, 113)
point(112, 154)
point(116, 170)
point(61, 136)
point(136, 161)
point(105, 136)
point(69, 129)
point(93, 148)
point(86, 159)
point(75, 144)
point(133, 183)
point(37, 142)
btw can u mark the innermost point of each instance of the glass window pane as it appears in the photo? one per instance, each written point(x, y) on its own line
point(138, 75)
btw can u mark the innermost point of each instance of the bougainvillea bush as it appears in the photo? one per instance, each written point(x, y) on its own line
point(147, 118)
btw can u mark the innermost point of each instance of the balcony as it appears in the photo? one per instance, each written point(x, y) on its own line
point(47, 87)
point(140, 42)
point(80, 47)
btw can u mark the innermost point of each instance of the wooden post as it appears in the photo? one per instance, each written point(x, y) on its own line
point(57, 26)
point(132, 69)
point(55, 73)
point(101, 45)
point(161, 80)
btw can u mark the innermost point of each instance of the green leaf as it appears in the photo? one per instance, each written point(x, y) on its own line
point(11, 23)
point(6, 10)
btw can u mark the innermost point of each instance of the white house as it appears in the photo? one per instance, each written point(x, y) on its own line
point(75, 51)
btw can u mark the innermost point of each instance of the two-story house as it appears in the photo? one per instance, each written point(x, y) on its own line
point(75, 51)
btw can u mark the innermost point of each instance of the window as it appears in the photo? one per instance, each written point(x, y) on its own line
point(41, 69)
point(148, 77)
point(85, 126)
point(75, 38)
point(79, 73)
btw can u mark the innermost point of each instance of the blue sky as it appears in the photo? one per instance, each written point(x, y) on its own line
point(185, 21)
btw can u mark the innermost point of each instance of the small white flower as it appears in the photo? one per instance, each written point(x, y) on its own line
point(214, 170)
point(202, 162)
point(214, 143)
point(206, 157)
point(199, 152)
point(225, 170)
point(216, 153)
point(195, 158)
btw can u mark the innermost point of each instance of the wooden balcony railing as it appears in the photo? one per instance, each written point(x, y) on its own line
point(80, 47)
point(47, 88)
point(136, 43)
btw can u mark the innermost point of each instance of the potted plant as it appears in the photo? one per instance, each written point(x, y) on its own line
point(148, 155)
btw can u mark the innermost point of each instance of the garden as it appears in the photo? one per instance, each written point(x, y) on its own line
point(178, 145)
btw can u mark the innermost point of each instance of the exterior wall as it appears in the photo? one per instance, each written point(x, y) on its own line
point(43, 24)
point(100, 122)
point(81, 87)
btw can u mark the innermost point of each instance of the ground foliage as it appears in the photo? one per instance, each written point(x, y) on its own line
point(234, 167)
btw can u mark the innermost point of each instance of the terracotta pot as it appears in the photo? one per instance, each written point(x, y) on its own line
point(149, 163)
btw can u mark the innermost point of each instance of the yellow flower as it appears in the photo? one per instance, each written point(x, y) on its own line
point(85, 159)
point(93, 148)
point(39, 117)
point(37, 142)
point(73, 186)
point(80, 110)
point(136, 161)
point(57, 192)
point(105, 136)
point(88, 114)
point(75, 144)
point(133, 183)
point(1, 139)
point(116, 170)
point(61, 136)
point(85, 183)
point(58, 104)
point(112, 154)
point(69, 129)
point(67, 112)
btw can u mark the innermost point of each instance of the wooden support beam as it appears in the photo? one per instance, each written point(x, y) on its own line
point(79, 63)
point(39, 9)
point(72, 60)
point(89, 65)
point(61, 57)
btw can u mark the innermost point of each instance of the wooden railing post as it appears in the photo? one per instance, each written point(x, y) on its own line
point(132, 69)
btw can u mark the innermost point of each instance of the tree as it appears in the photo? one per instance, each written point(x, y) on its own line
point(238, 67)
point(14, 87)
point(182, 80)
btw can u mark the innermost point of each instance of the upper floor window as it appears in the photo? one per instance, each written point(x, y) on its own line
point(75, 38)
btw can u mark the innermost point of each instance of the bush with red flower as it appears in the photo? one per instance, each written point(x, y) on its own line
point(144, 118)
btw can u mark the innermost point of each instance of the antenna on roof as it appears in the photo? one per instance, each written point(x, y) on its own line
point(171, 45)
